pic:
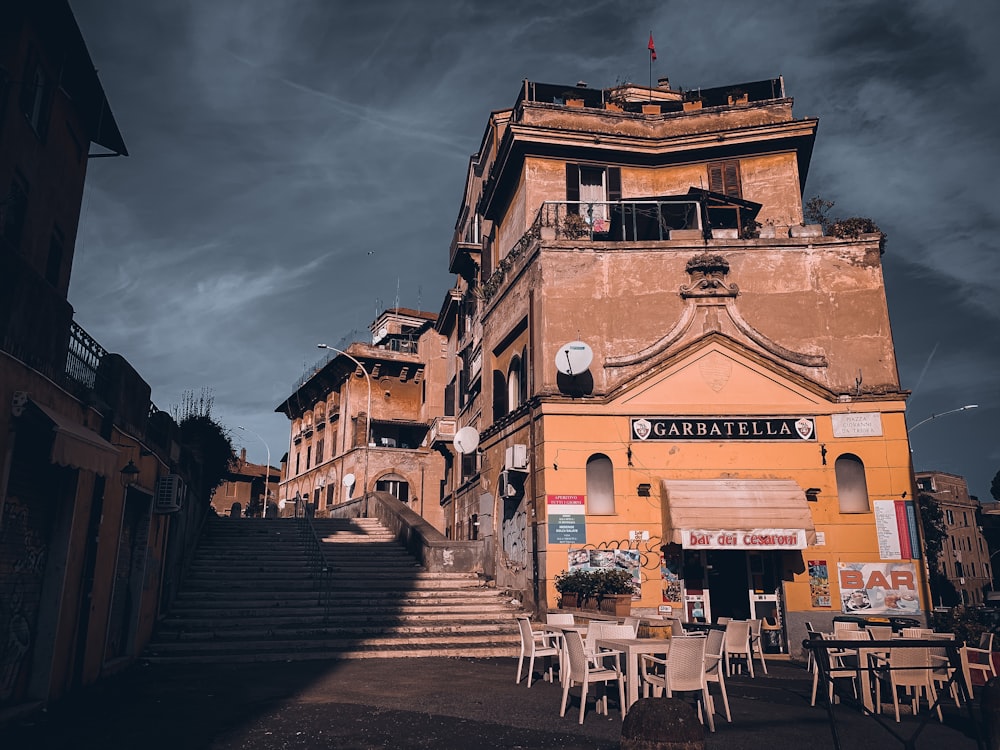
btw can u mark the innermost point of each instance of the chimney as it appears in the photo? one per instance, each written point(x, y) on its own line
point(663, 83)
point(243, 455)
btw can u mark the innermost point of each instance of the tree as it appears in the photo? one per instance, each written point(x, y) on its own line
point(206, 439)
point(935, 536)
point(995, 487)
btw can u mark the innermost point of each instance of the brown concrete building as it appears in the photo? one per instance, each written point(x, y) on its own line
point(667, 369)
point(95, 515)
point(336, 453)
point(247, 484)
point(965, 557)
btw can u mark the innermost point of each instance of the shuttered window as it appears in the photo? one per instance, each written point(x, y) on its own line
point(724, 178)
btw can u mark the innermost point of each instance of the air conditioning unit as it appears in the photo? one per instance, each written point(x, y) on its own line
point(169, 494)
point(516, 458)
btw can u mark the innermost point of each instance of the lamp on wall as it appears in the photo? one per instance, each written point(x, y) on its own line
point(811, 494)
point(643, 489)
point(129, 474)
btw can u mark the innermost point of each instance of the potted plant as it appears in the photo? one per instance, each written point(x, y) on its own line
point(614, 591)
point(574, 587)
point(574, 226)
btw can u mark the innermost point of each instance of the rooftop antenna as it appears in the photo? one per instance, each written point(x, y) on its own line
point(397, 294)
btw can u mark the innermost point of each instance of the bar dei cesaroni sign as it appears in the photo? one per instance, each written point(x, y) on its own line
point(744, 539)
point(724, 428)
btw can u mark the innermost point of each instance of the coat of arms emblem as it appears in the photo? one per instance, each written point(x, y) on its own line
point(804, 427)
point(641, 428)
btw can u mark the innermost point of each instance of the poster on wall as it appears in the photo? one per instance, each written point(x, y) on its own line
point(670, 572)
point(609, 559)
point(878, 588)
point(819, 583)
point(896, 533)
point(567, 519)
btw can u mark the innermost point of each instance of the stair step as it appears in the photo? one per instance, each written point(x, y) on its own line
point(256, 591)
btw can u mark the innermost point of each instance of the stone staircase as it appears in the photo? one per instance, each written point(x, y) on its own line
point(255, 592)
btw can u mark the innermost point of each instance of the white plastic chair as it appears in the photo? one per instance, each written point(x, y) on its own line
point(978, 659)
point(683, 672)
point(756, 647)
point(840, 668)
point(533, 643)
point(559, 618)
point(910, 669)
point(583, 672)
point(737, 639)
point(715, 648)
point(633, 622)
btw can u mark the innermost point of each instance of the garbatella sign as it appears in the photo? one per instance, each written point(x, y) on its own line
point(724, 428)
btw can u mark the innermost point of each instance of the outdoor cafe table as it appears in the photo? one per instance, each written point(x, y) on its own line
point(871, 653)
point(558, 630)
point(632, 647)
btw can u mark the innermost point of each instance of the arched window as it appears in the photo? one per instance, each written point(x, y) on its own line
point(514, 384)
point(852, 487)
point(523, 393)
point(395, 485)
point(600, 485)
point(499, 395)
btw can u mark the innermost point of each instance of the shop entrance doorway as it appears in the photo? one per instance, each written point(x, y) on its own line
point(726, 583)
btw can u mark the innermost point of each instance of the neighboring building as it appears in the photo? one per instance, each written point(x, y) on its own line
point(965, 556)
point(738, 438)
point(93, 520)
point(247, 484)
point(400, 374)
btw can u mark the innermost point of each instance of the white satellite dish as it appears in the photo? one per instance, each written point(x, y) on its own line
point(466, 440)
point(281, 505)
point(574, 358)
point(348, 480)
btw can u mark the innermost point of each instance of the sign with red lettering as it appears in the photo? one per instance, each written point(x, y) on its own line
point(878, 588)
point(744, 539)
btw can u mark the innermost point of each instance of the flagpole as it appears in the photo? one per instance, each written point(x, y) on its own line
point(651, 67)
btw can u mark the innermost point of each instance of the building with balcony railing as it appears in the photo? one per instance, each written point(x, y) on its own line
point(735, 435)
point(338, 450)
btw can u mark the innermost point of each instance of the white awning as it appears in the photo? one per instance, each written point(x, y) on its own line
point(736, 514)
point(79, 447)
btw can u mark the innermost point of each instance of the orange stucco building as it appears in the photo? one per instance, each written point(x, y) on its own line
point(336, 454)
point(668, 369)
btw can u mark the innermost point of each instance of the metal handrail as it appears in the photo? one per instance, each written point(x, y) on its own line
point(318, 560)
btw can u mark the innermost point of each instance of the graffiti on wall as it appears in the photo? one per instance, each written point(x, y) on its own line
point(515, 540)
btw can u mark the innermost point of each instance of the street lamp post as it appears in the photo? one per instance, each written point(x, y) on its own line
point(267, 469)
point(368, 415)
point(935, 416)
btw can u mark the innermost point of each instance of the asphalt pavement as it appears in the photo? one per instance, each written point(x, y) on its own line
point(419, 703)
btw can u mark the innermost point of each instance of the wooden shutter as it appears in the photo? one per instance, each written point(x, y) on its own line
point(573, 187)
point(724, 178)
point(614, 184)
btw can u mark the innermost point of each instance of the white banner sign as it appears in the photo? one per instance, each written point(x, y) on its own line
point(744, 539)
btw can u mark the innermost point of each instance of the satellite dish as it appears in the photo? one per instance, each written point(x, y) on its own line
point(466, 440)
point(281, 505)
point(348, 480)
point(574, 358)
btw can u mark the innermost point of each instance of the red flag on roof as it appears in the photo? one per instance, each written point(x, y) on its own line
point(652, 47)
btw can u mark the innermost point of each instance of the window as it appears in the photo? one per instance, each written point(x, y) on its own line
point(514, 384)
point(309, 451)
point(14, 208)
point(298, 455)
point(958, 569)
point(449, 399)
point(949, 517)
point(34, 97)
point(600, 485)
point(724, 178)
point(319, 450)
point(589, 187)
point(852, 486)
point(499, 395)
point(329, 494)
point(395, 485)
point(53, 265)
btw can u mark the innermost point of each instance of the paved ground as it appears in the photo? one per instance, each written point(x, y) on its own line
point(415, 703)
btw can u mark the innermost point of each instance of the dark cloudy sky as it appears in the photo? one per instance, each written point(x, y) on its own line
point(298, 164)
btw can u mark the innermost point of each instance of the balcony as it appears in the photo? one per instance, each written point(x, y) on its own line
point(442, 430)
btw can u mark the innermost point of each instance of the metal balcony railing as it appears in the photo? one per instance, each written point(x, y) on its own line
point(619, 221)
point(84, 356)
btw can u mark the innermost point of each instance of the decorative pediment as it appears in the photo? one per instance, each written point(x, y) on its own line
point(711, 300)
